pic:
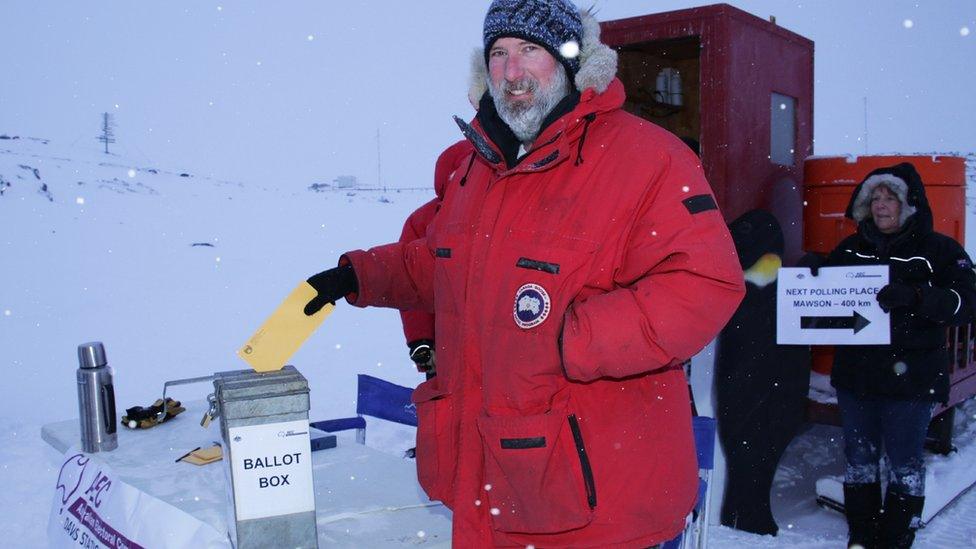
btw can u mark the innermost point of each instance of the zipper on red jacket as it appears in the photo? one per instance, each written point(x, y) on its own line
point(588, 482)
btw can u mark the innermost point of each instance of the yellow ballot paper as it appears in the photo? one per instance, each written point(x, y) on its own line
point(284, 331)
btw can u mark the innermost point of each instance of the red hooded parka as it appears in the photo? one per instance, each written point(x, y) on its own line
point(567, 290)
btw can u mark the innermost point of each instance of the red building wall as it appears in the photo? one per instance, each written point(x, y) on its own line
point(743, 60)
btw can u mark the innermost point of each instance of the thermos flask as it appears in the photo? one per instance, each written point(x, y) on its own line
point(96, 399)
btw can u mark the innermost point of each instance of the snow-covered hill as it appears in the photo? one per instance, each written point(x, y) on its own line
point(173, 271)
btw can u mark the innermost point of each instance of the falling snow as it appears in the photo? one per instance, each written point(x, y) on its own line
point(570, 49)
point(326, 337)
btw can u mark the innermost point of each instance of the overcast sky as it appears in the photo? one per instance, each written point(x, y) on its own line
point(291, 93)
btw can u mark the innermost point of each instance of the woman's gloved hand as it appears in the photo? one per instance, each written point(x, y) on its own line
point(898, 296)
point(812, 261)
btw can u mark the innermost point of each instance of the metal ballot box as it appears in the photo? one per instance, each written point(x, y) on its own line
point(268, 457)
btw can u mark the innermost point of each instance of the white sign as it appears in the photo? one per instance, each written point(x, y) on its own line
point(94, 508)
point(271, 466)
point(839, 306)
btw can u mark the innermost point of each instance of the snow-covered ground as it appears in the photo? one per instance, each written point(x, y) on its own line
point(174, 272)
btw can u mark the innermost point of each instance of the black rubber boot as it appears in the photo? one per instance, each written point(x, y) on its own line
point(862, 505)
point(902, 515)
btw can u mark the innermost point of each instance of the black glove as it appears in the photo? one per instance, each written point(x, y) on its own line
point(422, 354)
point(331, 285)
point(812, 261)
point(898, 296)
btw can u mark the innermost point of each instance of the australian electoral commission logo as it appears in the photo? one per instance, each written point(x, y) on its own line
point(531, 306)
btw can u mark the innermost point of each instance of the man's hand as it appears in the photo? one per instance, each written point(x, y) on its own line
point(331, 285)
point(898, 296)
point(422, 354)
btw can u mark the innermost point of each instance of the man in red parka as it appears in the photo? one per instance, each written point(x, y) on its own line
point(418, 326)
point(572, 267)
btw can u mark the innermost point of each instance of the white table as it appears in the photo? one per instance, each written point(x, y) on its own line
point(363, 497)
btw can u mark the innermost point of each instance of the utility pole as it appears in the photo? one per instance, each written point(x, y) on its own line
point(107, 135)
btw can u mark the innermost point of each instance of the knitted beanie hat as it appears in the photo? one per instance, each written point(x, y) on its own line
point(553, 24)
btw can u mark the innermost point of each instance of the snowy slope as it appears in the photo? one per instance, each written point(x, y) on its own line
point(174, 273)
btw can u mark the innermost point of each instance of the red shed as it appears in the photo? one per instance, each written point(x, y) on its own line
point(740, 86)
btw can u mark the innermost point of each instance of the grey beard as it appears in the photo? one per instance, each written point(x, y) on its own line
point(525, 119)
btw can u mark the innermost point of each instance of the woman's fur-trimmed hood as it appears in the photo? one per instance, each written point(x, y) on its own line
point(598, 63)
point(901, 179)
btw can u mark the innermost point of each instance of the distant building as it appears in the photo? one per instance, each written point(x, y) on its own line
point(345, 182)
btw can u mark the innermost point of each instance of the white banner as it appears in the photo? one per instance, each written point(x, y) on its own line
point(93, 508)
point(839, 306)
point(272, 469)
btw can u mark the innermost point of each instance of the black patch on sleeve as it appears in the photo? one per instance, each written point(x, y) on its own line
point(700, 203)
point(526, 263)
point(442, 252)
point(523, 443)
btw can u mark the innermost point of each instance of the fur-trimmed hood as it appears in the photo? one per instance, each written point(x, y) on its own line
point(598, 63)
point(903, 180)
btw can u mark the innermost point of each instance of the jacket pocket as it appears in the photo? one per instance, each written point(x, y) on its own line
point(437, 451)
point(537, 474)
point(450, 262)
point(537, 281)
point(526, 302)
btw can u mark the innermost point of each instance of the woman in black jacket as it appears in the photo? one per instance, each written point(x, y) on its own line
point(886, 392)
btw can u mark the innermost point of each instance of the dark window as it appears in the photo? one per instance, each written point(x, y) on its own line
point(782, 130)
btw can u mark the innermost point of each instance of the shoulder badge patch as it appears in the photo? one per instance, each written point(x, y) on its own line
point(531, 306)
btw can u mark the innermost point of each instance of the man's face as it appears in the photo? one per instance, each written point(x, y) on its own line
point(525, 82)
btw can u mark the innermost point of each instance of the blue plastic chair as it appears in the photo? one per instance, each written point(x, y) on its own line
point(696, 532)
point(376, 398)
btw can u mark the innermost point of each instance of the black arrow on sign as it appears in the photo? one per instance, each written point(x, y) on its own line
point(855, 322)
